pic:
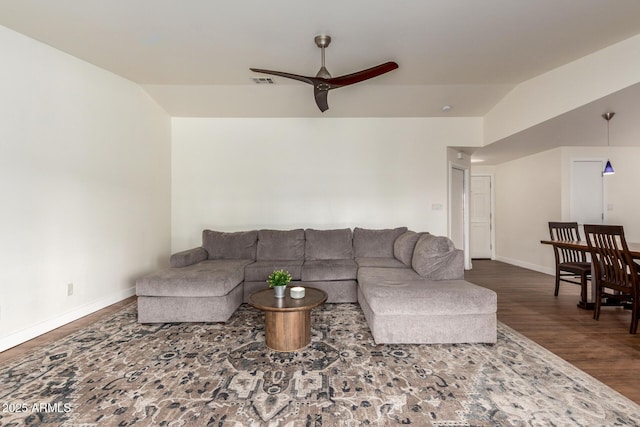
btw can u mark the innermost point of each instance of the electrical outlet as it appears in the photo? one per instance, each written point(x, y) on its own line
point(69, 289)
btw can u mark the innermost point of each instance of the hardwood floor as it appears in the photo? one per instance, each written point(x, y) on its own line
point(603, 348)
point(60, 332)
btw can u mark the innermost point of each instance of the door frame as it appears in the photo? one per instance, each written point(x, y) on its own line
point(465, 209)
point(492, 207)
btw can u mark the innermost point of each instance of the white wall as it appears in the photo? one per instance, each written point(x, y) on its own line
point(237, 174)
point(534, 190)
point(622, 206)
point(564, 89)
point(85, 180)
point(528, 196)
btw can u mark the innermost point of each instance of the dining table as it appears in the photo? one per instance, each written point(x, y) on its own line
point(581, 245)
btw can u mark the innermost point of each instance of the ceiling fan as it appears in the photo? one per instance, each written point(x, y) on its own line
point(323, 82)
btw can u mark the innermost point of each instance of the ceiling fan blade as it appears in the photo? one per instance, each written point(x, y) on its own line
point(309, 80)
point(359, 76)
point(321, 98)
point(323, 82)
point(320, 86)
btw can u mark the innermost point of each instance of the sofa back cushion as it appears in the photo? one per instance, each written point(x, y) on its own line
point(280, 245)
point(404, 245)
point(238, 245)
point(436, 258)
point(369, 243)
point(328, 244)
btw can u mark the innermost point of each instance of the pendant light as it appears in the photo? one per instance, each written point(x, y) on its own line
point(608, 169)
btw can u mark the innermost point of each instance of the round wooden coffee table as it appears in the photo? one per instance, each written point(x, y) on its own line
point(287, 321)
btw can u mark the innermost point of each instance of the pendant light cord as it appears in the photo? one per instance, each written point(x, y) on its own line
point(608, 169)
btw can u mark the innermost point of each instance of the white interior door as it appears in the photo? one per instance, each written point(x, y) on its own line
point(480, 217)
point(587, 196)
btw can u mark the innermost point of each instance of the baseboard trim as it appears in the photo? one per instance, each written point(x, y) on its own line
point(51, 324)
point(527, 265)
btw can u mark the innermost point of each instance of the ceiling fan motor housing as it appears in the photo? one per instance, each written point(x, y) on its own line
point(322, 40)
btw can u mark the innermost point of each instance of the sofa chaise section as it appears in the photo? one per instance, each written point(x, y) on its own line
point(428, 303)
point(209, 291)
point(203, 284)
point(403, 309)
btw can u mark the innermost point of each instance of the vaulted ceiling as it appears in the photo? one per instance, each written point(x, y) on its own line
point(193, 56)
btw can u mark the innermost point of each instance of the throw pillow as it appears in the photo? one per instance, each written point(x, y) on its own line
point(404, 245)
point(431, 254)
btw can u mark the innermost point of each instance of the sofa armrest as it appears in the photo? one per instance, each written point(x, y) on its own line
point(188, 257)
point(436, 258)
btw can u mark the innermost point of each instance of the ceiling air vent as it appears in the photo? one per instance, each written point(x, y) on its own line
point(263, 80)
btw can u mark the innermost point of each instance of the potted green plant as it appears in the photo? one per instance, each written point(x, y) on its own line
point(278, 280)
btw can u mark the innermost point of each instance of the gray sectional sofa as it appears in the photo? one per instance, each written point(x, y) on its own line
point(410, 285)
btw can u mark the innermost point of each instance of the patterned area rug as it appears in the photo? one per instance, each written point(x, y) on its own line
point(118, 373)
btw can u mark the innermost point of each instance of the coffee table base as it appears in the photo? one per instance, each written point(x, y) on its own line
point(287, 321)
point(288, 330)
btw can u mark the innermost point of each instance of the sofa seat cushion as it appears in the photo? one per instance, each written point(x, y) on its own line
point(260, 270)
point(329, 269)
point(380, 262)
point(369, 243)
point(387, 274)
point(278, 245)
point(328, 244)
point(209, 278)
point(391, 291)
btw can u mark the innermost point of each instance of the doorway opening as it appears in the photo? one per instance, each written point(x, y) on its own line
point(459, 210)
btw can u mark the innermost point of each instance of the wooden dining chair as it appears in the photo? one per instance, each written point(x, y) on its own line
point(571, 264)
point(616, 275)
